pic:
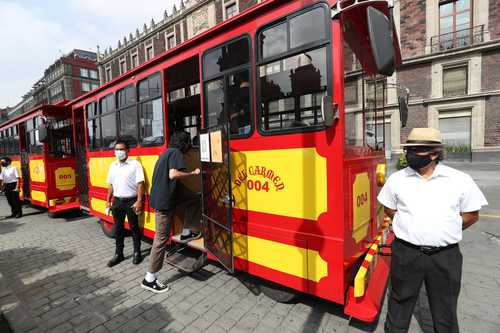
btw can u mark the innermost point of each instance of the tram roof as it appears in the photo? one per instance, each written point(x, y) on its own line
point(39, 110)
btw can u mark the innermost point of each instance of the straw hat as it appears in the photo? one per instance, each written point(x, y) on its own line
point(423, 137)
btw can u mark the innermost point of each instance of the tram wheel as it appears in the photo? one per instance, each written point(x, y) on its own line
point(109, 229)
point(279, 293)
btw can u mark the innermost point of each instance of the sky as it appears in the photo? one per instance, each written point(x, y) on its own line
point(34, 34)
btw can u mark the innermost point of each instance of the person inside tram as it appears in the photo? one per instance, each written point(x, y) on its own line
point(239, 120)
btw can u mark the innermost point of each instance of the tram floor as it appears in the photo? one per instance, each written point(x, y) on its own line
point(54, 278)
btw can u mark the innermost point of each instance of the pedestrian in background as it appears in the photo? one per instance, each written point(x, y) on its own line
point(10, 183)
point(125, 199)
point(430, 205)
point(166, 195)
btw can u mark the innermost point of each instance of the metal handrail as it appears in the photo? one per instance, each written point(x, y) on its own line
point(457, 39)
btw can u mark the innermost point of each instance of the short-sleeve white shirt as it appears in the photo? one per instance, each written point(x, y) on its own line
point(125, 177)
point(428, 210)
point(9, 174)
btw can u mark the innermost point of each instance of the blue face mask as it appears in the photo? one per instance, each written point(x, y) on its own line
point(121, 154)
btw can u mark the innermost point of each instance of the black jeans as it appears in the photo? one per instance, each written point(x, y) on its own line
point(121, 209)
point(13, 199)
point(441, 272)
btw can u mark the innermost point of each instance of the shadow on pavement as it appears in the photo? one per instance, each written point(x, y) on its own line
point(44, 297)
point(7, 226)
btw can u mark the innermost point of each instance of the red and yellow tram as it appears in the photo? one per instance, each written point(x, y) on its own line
point(289, 177)
point(40, 144)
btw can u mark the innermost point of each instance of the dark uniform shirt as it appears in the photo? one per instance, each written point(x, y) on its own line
point(162, 189)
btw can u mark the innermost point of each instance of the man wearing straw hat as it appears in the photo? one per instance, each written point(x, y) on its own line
point(430, 205)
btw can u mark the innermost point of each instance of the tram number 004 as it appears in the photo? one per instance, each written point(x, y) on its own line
point(257, 185)
point(362, 199)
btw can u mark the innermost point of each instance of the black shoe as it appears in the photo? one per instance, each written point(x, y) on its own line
point(137, 258)
point(115, 260)
point(155, 286)
point(10, 216)
point(18, 216)
point(190, 237)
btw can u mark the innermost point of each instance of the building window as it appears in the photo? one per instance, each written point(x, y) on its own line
point(351, 91)
point(231, 10)
point(84, 72)
point(455, 80)
point(85, 86)
point(149, 52)
point(170, 41)
point(455, 23)
point(94, 86)
point(456, 132)
point(93, 74)
point(123, 66)
point(108, 74)
point(135, 60)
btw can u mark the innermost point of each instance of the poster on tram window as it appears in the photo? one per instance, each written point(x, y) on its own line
point(204, 148)
point(216, 146)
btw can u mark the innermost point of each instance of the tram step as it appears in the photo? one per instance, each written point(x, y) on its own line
point(198, 244)
point(187, 259)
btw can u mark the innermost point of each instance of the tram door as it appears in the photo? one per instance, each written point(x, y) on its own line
point(217, 198)
point(25, 168)
point(81, 158)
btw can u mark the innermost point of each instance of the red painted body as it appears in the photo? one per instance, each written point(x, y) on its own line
point(331, 235)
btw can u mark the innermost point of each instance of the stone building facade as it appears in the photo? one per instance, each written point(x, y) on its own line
point(451, 66)
point(192, 18)
point(69, 77)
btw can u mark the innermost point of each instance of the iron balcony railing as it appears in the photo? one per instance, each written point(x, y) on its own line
point(457, 39)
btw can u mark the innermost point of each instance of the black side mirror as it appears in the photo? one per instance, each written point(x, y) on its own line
point(43, 133)
point(381, 41)
point(403, 110)
point(329, 111)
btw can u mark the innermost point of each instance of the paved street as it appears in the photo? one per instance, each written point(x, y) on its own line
point(53, 278)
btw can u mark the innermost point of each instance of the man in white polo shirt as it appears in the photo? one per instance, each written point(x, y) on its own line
point(9, 183)
point(126, 187)
point(430, 205)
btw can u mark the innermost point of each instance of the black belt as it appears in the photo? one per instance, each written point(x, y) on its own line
point(426, 249)
point(126, 199)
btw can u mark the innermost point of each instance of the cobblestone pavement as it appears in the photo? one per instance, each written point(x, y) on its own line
point(53, 278)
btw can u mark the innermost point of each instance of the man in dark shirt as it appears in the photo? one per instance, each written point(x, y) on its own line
point(166, 195)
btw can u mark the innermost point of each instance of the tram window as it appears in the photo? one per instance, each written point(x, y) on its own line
point(238, 98)
point(228, 96)
point(61, 138)
point(107, 104)
point(226, 57)
point(126, 96)
point(150, 87)
point(128, 125)
point(151, 131)
point(273, 41)
point(215, 102)
point(291, 90)
point(151, 114)
point(307, 28)
point(108, 128)
point(93, 128)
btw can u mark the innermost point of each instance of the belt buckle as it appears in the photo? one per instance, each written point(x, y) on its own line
point(428, 249)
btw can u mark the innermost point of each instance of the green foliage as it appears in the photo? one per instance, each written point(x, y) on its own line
point(458, 149)
point(402, 162)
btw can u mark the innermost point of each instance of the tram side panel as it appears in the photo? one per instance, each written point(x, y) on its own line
point(98, 167)
point(61, 180)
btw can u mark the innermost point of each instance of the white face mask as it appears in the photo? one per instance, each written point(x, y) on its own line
point(121, 154)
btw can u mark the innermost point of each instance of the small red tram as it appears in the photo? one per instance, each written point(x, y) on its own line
point(289, 176)
point(40, 144)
